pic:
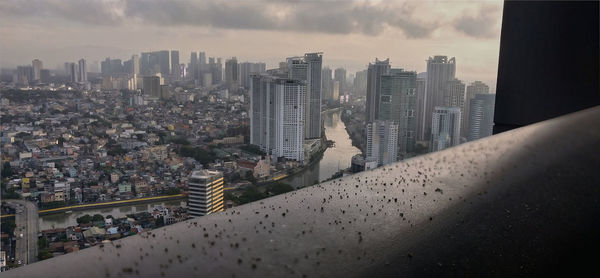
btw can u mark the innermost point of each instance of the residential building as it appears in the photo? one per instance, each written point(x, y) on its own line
point(445, 128)
point(375, 71)
point(82, 71)
point(398, 104)
point(37, 67)
point(474, 88)
point(420, 106)
point(277, 108)
point(481, 116)
point(231, 73)
point(175, 64)
point(308, 68)
point(382, 143)
point(340, 76)
point(440, 70)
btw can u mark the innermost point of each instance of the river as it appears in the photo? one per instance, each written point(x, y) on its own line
point(334, 159)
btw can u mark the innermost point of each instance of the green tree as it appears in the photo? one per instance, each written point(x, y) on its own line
point(277, 188)
point(97, 217)
point(251, 194)
point(84, 219)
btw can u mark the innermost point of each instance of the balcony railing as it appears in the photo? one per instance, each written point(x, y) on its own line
point(522, 203)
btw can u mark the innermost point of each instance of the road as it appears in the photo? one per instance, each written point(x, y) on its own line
point(26, 231)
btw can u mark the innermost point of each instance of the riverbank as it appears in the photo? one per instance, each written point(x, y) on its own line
point(107, 204)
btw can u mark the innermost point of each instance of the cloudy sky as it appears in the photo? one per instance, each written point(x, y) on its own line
point(350, 33)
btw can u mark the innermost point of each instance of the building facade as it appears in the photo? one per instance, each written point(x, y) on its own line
point(445, 128)
point(382, 143)
point(375, 71)
point(440, 70)
point(481, 116)
point(398, 104)
point(205, 192)
point(474, 88)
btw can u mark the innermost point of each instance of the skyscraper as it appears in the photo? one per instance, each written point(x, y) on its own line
point(193, 72)
point(360, 82)
point(73, 73)
point(163, 62)
point(474, 88)
point(375, 71)
point(481, 116)
point(82, 73)
point(202, 61)
point(151, 86)
point(135, 60)
point(277, 108)
point(37, 66)
point(420, 107)
point(340, 77)
point(454, 96)
point(205, 192)
point(246, 69)
point(175, 64)
point(445, 128)
point(382, 143)
point(327, 84)
point(308, 68)
point(440, 70)
point(398, 104)
point(231, 73)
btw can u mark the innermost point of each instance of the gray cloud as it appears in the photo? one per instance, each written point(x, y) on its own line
point(333, 17)
point(482, 25)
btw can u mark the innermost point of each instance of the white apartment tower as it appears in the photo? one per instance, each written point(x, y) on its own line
point(382, 143)
point(445, 128)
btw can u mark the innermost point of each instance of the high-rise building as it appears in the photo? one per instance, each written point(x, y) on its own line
point(82, 73)
point(327, 83)
point(202, 61)
point(445, 128)
point(382, 143)
point(37, 66)
point(231, 73)
point(116, 66)
point(145, 63)
point(277, 108)
point(481, 116)
point(360, 82)
point(25, 74)
point(420, 107)
point(454, 94)
point(340, 76)
point(474, 88)
point(308, 68)
point(205, 192)
point(135, 60)
point(440, 70)
point(163, 62)
point(216, 69)
point(375, 71)
point(246, 69)
point(175, 64)
point(398, 104)
point(193, 72)
point(151, 86)
point(45, 75)
point(73, 73)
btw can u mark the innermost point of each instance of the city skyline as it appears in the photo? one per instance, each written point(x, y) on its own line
point(430, 28)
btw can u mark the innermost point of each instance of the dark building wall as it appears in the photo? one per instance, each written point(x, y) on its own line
point(548, 63)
